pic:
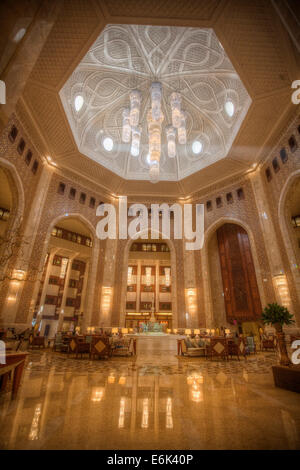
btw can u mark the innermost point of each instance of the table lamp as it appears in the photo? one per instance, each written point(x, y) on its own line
point(115, 331)
point(188, 331)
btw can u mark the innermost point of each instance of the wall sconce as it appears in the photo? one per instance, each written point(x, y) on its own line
point(281, 286)
point(191, 300)
point(106, 299)
point(111, 379)
point(19, 274)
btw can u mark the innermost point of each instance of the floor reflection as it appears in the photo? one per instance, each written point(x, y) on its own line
point(150, 402)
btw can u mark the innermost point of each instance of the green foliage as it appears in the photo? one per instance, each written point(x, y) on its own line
point(275, 313)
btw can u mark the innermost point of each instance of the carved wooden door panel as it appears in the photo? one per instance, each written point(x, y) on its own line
point(241, 295)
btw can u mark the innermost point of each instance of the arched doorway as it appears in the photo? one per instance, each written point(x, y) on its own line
point(235, 297)
point(149, 283)
point(62, 295)
point(289, 222)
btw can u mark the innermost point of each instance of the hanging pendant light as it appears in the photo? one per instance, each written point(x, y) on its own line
point(156, 94)
point(135, 102)
point(171, 139)
point(182, 129)
point(154, 172)
point(154, 131)
point(126, 129)
point(176, 109)
point(135, 142)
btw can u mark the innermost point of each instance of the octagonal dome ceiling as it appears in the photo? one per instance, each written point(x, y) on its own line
point(190, 61)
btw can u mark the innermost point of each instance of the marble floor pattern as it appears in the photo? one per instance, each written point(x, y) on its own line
point(153, 401)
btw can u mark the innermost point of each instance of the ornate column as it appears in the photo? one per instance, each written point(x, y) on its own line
point(269, 234)
point(91, 289)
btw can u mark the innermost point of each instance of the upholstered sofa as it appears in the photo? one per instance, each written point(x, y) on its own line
point(192, 346)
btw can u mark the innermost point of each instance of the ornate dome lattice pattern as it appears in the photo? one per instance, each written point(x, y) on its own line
point(191, 61)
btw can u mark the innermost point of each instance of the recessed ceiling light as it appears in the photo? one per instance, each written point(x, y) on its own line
point(78, 102)
point(197, 147)
point(108, 144)
point(19, 35)
point(229, 108)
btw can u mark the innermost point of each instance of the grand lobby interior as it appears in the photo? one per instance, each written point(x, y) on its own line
point(135, 343)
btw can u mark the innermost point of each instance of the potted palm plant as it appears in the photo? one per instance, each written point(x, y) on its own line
point(277, 316)
point(285, 375)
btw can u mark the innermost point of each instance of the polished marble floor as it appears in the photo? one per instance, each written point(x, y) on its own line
point(153, 401)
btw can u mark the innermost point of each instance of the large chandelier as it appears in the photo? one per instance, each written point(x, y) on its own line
point(131, 130)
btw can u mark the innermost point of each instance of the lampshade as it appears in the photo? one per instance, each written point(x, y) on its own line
point(208, 330)
point(197, 332)
point(188, 331)
point(212, 331)
point(114, 330)
point(124, 331)
point(168, 330)
point(175, 331)
point(227, 331)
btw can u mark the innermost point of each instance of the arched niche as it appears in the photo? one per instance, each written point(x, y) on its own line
point(128, 245)
point(69, 260)
point(214, 290)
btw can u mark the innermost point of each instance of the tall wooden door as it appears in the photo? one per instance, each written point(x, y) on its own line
point(241, 295)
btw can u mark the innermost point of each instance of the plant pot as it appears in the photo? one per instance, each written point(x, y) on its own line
point(287, 377)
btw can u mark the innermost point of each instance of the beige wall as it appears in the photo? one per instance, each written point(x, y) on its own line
point(201, 272)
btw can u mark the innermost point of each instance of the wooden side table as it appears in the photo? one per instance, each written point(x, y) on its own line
point(15, 362)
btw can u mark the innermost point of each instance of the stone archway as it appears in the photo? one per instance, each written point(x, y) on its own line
point(212, 229)
point(91, 265)
point(173, 277)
